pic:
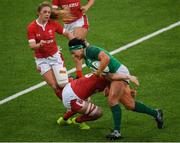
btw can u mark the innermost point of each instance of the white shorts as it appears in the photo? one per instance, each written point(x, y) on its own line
point(123, 69)
point(45, 64)
point(68, 95)
point(81, 22)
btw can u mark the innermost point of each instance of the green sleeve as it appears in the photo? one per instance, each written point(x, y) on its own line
point(92, 52)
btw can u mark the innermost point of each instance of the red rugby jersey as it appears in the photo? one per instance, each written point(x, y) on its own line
point(37, 32)
point(86, 86)
point(74, 5)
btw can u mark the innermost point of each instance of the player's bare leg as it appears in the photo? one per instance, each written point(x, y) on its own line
point(115, 92)
point(49, 77)
point(51, 81)
point(128, 101)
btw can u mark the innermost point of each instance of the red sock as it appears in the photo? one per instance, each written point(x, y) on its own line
point(84, 118)
point(68, 114)
point(59, 93)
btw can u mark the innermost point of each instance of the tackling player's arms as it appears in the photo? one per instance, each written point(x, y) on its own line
point(122, 76)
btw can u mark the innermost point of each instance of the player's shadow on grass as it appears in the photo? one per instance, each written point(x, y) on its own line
point(95, 133)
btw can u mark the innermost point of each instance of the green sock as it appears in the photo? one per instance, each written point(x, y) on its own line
point(142, 108)
point(116, 112)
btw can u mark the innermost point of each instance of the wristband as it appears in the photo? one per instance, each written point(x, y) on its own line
point(79, 74)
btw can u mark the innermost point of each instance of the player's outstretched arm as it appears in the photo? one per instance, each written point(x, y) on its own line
point(122, 76)
point(87, 6)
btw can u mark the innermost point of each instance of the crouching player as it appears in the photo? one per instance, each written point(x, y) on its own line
point(76, 92)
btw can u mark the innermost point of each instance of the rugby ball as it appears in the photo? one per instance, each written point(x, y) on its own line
point(95, 66)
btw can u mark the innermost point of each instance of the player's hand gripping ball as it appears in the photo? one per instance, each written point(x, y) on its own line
point(95, 66)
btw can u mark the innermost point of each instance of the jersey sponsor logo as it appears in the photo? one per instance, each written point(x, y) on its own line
point(76, 4)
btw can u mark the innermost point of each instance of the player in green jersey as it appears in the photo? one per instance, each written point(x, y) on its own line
point(107, 64)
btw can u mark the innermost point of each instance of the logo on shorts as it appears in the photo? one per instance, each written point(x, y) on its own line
point(76, 4)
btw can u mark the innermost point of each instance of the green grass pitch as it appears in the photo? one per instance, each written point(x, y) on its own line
point(113, 23)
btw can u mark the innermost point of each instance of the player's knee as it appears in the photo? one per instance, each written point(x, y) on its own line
point(115, 93)
point(55, 86)
point(112, 100)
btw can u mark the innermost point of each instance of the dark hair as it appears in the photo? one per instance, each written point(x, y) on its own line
point(75, 42)
point(44, 4)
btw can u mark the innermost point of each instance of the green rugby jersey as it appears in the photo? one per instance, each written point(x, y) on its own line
point(91, 54)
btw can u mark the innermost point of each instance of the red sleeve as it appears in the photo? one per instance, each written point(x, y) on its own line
point(30, 34)
point(55, 3)
point(59, 28)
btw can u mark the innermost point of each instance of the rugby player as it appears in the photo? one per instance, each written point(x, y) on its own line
point(75, 20)
point(92, 54)
point(41, 37)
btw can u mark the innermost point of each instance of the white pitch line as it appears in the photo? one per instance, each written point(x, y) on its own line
point(140, 40)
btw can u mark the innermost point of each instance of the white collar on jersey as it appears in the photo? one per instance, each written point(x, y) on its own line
point(41, 25)
point(85, 51)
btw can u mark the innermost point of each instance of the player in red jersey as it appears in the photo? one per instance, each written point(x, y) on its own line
point(78, 25)
point(41, 36)
point(76, 92)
